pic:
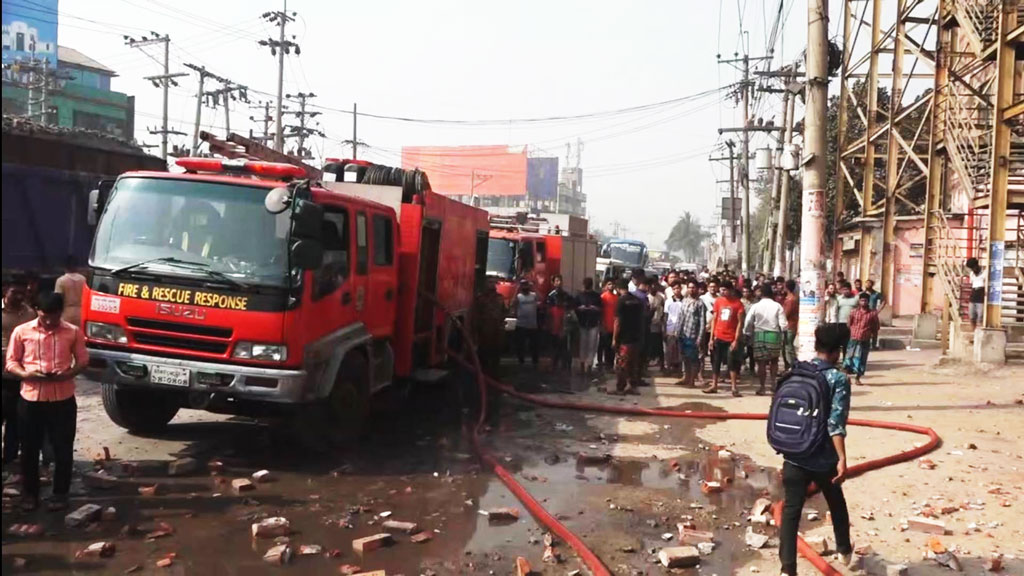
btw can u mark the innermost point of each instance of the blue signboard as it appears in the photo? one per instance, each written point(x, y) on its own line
point(542, 178)
point(30, 30)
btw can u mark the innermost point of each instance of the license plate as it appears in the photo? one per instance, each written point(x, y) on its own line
point(169, 376)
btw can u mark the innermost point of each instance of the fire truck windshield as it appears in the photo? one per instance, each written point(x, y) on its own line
point(221, 228)
point(501, 258)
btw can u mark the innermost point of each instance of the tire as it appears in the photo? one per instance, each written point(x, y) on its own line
point(348, 405)
point(141, 411)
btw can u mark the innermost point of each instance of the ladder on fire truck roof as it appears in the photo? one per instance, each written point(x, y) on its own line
point(238, 146)
point(525, 223)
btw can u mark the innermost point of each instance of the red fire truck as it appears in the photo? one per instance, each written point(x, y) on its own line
point(243, 286)
point(521, 248)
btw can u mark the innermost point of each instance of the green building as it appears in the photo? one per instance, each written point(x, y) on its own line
point(78, 96)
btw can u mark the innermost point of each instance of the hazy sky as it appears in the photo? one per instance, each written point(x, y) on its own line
point(473, 60)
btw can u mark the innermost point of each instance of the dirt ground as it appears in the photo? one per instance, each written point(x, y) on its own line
point(417, 464)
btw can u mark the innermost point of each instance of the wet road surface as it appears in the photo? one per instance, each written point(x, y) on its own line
point(416, 464)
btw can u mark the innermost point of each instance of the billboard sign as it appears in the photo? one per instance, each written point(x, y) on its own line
point(470, 170)
point(30, 30)
point(542, 178)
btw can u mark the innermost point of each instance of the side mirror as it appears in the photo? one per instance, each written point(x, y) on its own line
point(278, 200)
point(98, 199)
point(307, 254)
point(307, 220)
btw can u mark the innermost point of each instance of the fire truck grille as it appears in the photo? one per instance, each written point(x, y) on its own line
point(182, 343)
point(180, 328)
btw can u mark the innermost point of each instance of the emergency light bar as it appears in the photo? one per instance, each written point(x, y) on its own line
point(256, 168)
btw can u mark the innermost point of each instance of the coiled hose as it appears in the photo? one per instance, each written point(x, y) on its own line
point(587, 556)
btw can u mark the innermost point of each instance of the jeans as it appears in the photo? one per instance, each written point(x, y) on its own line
point(57, 421)
point(11, 399)
point(524, 336)
point(795, 480)
point(588, 346)
point(605, 353)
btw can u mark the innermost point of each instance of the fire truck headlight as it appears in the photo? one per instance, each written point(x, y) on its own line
point(266, 352)
point(107, 332)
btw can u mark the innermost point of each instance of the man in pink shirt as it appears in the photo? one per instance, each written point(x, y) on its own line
point(47, 354)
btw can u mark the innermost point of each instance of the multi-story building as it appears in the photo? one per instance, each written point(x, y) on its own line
point(77, 94)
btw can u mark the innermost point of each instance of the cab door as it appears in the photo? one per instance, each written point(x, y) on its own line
point(383, 276)
point(357, 292)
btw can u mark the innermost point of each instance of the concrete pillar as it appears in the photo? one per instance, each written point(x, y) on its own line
point(990, 346)
point(926, 327)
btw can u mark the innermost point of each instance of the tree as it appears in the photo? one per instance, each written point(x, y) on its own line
point(687, 236)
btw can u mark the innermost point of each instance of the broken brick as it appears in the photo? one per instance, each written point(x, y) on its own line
point(817, 543)
point(310, 549)
point(25, 530)
point(689, 536)
point(182, 467)
point(261, 476)
point(165, 561)
point(501, 514)
point(149, 490)
point(710, 487)
point(271, 528)
point(761, 507)
point(679, 557)
point(109, 514)
point(995, 563)
point(926, 464)
point(551, 556)
point(348, 569)
point(927, 525)
point(99, 480)
point(523, 567)
point(422, 537)
point(240, 485)
point(397, 526)
point(84, 514)
point(370, 543)
point(587, 459)
point(215, 467)
point(97, 550)
point(280, 554)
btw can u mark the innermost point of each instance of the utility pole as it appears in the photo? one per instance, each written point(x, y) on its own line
point(279, 48)
point(163, 81)
point(744, 168)
point(303, 131)
point(265, 120)
point(732, 217)
point(224, 95)
point(355, 131)
point(812, 230)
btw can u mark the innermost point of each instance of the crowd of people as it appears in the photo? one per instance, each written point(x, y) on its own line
point(681, 323)
point(44, 350)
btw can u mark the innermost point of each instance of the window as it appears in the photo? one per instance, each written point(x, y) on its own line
point(362, 252)
point(526, 257)
point(542, 251)
point(336, 264)
point(383, 241)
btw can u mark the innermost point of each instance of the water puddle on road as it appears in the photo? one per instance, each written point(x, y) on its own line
point(415, 467)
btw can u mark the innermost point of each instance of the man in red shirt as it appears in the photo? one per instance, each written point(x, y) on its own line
point(609, 301)
point(47, 354)
point(726, 345)
point(791, 306)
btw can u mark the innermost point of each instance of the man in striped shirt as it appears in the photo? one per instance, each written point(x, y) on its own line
point(47, 354)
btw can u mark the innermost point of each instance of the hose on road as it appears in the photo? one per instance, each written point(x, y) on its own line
point(587, 556)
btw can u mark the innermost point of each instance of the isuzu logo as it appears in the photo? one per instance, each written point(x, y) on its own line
point(180, 311)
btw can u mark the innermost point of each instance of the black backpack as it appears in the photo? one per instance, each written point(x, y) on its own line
point(798, 419)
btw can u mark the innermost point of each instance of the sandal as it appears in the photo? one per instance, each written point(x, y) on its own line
point(710, 390)
point(761, 392)
point(736, 394)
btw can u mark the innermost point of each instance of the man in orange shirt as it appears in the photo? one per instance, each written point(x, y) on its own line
point(609, 302)
point(791, 306)
point(47, 354)
point(726, 345)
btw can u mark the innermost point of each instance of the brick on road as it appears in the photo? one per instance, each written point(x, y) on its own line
point(371, 543)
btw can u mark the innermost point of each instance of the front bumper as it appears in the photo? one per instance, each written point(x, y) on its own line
point(130, 370)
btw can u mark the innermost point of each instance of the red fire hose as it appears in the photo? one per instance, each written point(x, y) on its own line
point(588, 557)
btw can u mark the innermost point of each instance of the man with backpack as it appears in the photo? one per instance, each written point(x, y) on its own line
point(807, 425)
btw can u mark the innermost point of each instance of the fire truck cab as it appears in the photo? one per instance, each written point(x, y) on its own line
point(246, 287)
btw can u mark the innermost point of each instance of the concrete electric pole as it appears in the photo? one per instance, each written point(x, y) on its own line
point(812, 228)
point(163, 81)
point(303, 130)
point(279, 48)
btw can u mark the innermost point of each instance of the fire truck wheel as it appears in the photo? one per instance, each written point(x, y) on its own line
point(349, 402)
point(138, 410)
